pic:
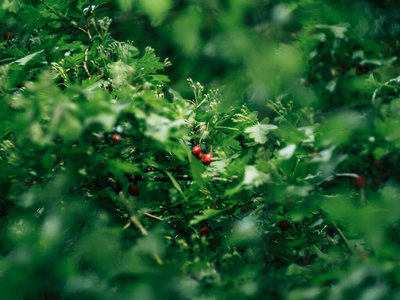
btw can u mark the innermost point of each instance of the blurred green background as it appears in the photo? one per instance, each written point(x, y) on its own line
point(256, 50)
point(285, 59)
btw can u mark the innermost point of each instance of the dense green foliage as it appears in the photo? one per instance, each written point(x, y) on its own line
point(101, 196)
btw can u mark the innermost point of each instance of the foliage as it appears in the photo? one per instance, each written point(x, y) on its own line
point(102, 197)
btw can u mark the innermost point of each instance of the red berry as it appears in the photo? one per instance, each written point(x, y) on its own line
point(284, 224)
point(116, 138)
point(204, 231)
point(245, 209)
point(133, 190)
point(362, 70)
point(200, 155)
point(207, 159)
point(196, 150)
point(360, 181)
point(8, 36)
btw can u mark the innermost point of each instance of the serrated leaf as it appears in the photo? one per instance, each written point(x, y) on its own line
point(259, 132)
point(119, 167)
point(24, 60)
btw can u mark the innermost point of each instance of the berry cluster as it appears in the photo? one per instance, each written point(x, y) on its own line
point(206, 158)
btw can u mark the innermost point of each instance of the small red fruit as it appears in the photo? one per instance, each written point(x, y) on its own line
point(245, 209)
point(207, 159)
point(196, 150)
point(116, 138)
point(284, 224)
point(362, 70)
point(360, 181)
point(8, 36)
point(204, 231)
point(133, 190)
point(200, 155)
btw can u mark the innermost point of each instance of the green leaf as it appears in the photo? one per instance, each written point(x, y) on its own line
point(338, 30)
point(287, 152)
point(176, 185)
point(207, 214)
point(259, 132)
point(119, 167)
point(11, 5)
point(23, 61)
point(196, 170)
point(254, 178)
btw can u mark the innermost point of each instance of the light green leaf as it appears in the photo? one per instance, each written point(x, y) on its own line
point(287, 152)
point(338, 30)
point(207, 214)
point(259, 132)
point(24, 60)
point(120, 72)
point(253, 177)
point(11, 5)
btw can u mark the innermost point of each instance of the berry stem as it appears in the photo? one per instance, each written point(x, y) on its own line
point(183, 177)
point(362, 195)
point(346, 242)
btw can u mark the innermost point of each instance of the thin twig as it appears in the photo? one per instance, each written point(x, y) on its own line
point(362, 195)
point(62, 18)
point(143, 231)
point(139, 225)
point(346, 242)
point(183, 177)
point(333, 177)
point(88, 49)
point(153, 217)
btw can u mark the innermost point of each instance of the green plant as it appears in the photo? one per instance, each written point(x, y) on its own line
point(86, 120)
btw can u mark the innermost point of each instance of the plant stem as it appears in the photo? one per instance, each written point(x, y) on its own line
point(346, 242)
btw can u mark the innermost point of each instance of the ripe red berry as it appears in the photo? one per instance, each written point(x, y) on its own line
point(204, 231)
point(284, 224)
point(133, 190)
point(362, 70)
point(196, 150)
point(200, 155)
point(116, 138)
point(245, 209)
point(207, 159)
point(360, 181)
point(8, 36)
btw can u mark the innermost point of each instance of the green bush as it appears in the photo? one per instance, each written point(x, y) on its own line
point(102, 196)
